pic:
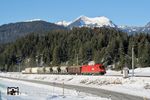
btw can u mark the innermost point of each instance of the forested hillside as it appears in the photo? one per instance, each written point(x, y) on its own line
point(64, 47)
point(11, 32)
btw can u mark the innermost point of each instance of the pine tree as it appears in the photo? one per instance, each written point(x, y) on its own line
point(56, 56)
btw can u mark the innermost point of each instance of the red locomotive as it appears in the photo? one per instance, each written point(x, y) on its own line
point(93, 69)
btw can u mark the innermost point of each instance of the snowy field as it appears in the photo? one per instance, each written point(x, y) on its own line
point(139, 86)
point(32, 91)
point(137, 72)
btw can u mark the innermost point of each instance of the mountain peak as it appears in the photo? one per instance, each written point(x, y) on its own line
point(82, 17)
point(84, 21)
point(32, 20)
point(148, 24)
point(103, 17)
point(63, 23)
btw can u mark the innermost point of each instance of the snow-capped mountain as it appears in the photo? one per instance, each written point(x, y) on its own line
point(32, 20)
point(136, 29)
point(84, 21)
point(148, 24)
point(63, 23)
point(102, 21)
point(146, 28)
point(129, 29)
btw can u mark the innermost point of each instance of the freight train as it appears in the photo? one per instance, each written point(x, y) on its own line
point(96, 69)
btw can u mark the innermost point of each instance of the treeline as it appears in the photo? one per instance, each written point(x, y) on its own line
point(79, 45)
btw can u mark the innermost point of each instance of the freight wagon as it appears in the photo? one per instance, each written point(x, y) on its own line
point(64, 69)
point(84, 69)
point(74, 70)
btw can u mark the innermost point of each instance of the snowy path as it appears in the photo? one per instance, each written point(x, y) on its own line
point(137, 86)
point(96, 91)
point(33, 91)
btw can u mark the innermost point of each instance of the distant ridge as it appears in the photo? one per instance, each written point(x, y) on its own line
point(10, 32)
point(102, 21)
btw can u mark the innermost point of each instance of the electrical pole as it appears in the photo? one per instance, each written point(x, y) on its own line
point(19, 67)
point(37, 61)
point(0, 96)
point(132, 61)
point(63, 88)
point(53, 87)
point(41, 62)
point(18, 62)
point(77, 60)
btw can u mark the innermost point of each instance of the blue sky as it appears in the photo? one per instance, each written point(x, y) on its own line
point(121, 12)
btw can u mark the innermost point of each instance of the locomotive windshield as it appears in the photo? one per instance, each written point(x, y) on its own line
point(102, 67)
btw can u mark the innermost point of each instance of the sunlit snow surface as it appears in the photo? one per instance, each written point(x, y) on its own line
point(32, 91)
point(84, 21)
point(138, 86)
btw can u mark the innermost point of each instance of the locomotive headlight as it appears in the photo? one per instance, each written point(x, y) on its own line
point(92, 68)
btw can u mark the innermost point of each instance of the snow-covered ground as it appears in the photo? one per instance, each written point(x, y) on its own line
point(32, 91)
point(142, 71)
point(137, 72)
point(139, 86)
